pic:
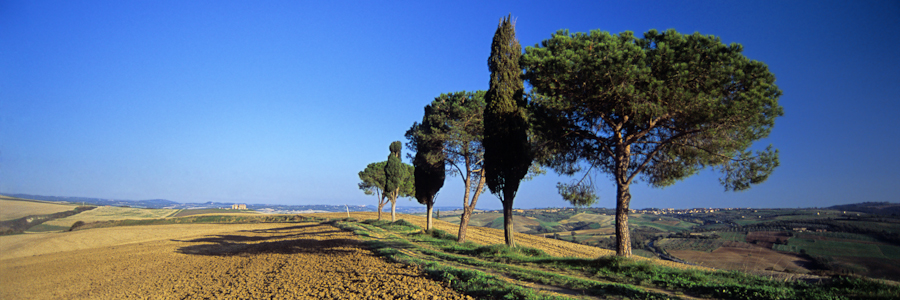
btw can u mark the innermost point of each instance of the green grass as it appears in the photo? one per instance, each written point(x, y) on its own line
point(548, 226)
point(663, 227)
point(845, 235)
point(705, 245)
point(213, 219)
point(748, 221)
point(831, 248)
point(605, 277)
point(47, 228)
point(733, 236)
point(889, 251)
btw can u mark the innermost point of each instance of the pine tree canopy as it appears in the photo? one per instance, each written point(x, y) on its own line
point(663, 106)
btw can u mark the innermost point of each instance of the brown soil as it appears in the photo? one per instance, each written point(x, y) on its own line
point(272, 261)
point(744, 257)
point(766, 239)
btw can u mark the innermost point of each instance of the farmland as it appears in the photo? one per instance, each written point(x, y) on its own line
point(244, 261)
point(14, 208)
point(785, 241)
point(104, 213)
point(330, 256)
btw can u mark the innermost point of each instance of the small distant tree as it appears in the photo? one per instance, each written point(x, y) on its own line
point(76, 225)
point(507, 152)
point(662, 107)
point(372, 183)
point(428, 162)
point(399, 180)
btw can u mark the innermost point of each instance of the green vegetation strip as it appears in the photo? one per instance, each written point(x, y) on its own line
point(626, 278)
point(198, 220)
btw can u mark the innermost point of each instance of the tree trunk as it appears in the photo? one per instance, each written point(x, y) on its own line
point(463, 224)
point(428, 217)
point(395, 195)
point(380, 208)
point(469, 206)
point(508, 229)
point(393, 211)
point(623, 239)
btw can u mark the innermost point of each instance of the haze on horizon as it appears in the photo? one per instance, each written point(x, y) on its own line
point(284, 102)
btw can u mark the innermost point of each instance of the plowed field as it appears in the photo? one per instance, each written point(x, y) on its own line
point(253, 261)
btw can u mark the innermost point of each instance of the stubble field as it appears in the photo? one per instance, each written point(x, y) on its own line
point(14, 208)
point(204, 261)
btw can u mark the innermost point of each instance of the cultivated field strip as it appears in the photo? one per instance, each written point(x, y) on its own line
point(13, 208)
point(262, 261)
point(107, 213)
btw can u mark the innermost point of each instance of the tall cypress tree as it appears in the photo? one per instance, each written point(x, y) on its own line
point(395, 174)
point(428, 162)
point(507, 154)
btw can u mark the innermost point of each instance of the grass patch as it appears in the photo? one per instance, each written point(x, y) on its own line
point(695, 244)
point(607, 277)
point(816, 247)
point(733, 236)
point(47, 228)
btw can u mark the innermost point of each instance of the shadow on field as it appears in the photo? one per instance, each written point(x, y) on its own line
point(284, 240)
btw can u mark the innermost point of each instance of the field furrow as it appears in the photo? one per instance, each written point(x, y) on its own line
point(270, 261)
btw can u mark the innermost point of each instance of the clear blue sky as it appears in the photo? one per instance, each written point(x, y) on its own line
point(284, 102)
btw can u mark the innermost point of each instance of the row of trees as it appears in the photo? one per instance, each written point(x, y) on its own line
point(661, 108)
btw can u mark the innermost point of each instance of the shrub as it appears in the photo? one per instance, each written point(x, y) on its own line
point(76, 225)
point(443, 235)
point(404, 223)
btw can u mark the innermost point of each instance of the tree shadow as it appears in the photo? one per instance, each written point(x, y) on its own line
point(284, 240)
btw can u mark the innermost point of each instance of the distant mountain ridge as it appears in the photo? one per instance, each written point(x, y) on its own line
point(151, 203)
point(877, 208)
point(162, 203)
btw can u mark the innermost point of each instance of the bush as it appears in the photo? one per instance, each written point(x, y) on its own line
point(76, 225)
point(404, 223)
point(440, 234)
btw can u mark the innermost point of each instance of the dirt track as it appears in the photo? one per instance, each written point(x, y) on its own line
point(281, 261)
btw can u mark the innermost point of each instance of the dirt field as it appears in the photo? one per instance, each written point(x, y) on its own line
point(744, 257)
point(766, 239)
point(252, 261)
point(14, 209)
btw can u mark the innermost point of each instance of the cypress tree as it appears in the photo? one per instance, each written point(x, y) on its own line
point(395, 175)
point(428, 162)
point(507, 153)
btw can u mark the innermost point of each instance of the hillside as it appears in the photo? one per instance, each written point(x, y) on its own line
point(310, 256)
point(14, 208)
point(878, 208)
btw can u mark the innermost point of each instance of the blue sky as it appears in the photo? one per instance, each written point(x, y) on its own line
point(284, 102)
